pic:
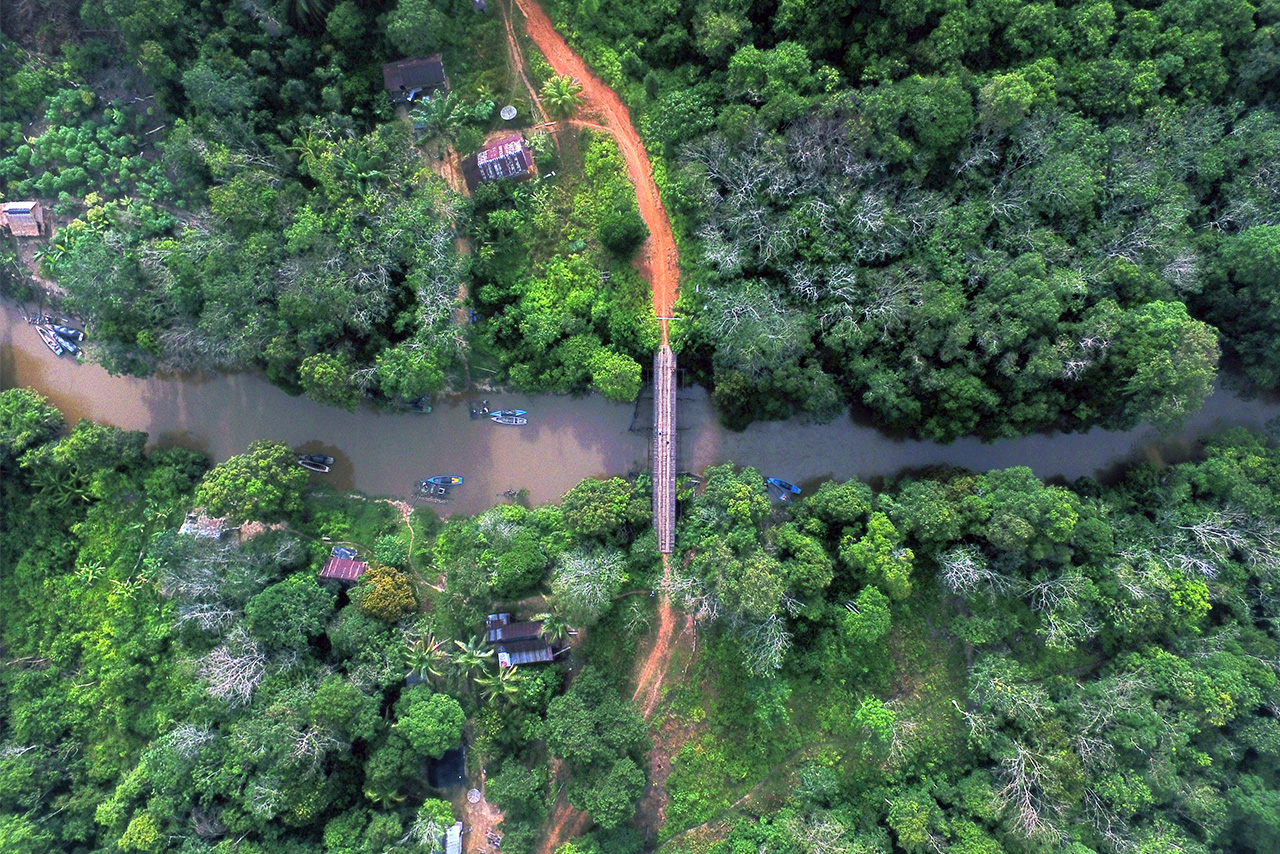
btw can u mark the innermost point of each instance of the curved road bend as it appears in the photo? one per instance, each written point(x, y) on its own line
point(660, 259)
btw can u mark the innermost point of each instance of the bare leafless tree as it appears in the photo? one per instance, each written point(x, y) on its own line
point(235, 668)
point(765, 645)
point(1027, 775)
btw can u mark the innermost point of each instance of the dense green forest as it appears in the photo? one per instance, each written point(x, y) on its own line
point(235, 190)
point(965, 217)
point(960, 218)
point(975, 663)
point(168, 692)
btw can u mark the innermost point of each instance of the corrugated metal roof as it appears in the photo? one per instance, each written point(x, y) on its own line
point(453, 839)
point(524, 652)
point(505, 157)
point(514, 632)
point(343, 569)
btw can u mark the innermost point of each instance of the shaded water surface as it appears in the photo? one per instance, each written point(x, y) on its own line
point(566, 439)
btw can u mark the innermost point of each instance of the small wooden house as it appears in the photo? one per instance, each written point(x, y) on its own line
point(22, 219)
point(517, 643)
point(504, 157)
point(406, 79)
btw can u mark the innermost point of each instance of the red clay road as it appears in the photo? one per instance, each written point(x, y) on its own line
point(660, 261)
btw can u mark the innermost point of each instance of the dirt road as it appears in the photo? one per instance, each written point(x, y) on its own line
point(660, 261)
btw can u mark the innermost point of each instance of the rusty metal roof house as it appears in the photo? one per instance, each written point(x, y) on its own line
point(405, 79)
point(517, 643)
point(504, 157)
point(22, 219)
point(343, 569)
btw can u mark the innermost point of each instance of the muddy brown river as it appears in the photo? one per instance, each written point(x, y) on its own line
point(566, 439)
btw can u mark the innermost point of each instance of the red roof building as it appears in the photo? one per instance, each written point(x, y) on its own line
point(343, 569)
point(504, 157)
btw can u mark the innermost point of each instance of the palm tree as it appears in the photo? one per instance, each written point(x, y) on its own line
point(504, 684)
point(554, 627)
point(362, 167)
point(471, 657)
point(439, 116)
point(309, 15)
point(560, 96)
point(426, 657)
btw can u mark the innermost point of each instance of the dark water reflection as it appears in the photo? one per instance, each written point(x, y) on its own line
point(565, 440)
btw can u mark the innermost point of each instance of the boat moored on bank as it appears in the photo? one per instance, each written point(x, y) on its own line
point(318, 459)
point(785, 486)
point(53, 342)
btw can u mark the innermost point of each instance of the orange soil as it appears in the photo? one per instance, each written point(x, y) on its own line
point(659, 261)
point(517, 64)
point(671, 733)
point(480, 820)
point(653, 670)
point(566, 822)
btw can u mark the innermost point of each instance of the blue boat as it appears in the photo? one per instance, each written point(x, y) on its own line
point(783, 485)
point(512, 413)
point(445, 479)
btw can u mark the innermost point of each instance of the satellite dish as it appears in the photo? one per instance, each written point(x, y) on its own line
point(508, 113)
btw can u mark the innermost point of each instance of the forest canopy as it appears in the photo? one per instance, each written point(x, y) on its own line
point(233, 189)
point(977, 662)
point(976, 217)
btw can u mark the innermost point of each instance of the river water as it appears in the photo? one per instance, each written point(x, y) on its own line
point(566, 439)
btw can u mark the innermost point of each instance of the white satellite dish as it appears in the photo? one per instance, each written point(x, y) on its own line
point(508, 113)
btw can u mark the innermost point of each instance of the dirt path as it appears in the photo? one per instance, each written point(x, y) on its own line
point(653, 670)
point(650, 677)
point(659, 260)
point(480, 819)
point(565, 822)
point(517, 62)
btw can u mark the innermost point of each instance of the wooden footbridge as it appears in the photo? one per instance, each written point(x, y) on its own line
point(664, 448)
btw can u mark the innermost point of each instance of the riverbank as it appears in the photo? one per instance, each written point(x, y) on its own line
point(566, 440)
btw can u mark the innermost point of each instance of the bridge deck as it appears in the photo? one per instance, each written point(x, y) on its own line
point(664, 448)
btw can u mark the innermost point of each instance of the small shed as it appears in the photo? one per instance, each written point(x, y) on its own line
point(22, 219)
point(406, 78)
point(453, 839)
point(504, 157)
point(343, 569)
